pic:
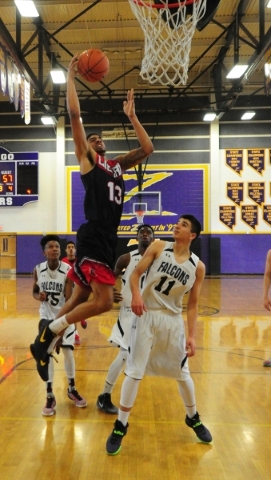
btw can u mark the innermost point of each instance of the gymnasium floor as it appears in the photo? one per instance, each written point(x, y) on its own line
point(233, 397)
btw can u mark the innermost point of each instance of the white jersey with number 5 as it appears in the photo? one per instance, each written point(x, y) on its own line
point(168, 281)
point(53, 283)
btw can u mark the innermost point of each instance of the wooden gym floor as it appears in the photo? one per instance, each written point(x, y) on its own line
point(233, 393)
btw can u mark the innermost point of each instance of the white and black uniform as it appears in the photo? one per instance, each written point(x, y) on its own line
point(121, 330)
point(53, 283)
point(157, 341)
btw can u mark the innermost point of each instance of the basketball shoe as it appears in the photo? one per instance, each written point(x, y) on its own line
point(49, 408)
point(200, 430)
point(113, 444)
point(104, 403)
point(78, 400)
point(77, 340)
point(267, 363)
point(42, 365)
point(39, 349)
point(84, 324)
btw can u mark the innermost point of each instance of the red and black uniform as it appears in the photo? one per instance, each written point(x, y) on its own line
point(104, 192)
point(69, 262)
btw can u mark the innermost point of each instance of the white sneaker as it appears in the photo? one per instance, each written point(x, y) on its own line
point(49, 408)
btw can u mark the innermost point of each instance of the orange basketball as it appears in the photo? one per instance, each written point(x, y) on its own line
point(93, 65)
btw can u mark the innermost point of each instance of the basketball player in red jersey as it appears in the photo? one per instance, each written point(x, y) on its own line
point(97, 238)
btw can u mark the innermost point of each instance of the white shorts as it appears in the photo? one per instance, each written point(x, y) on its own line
point(68, 338)
point(120, 334)
point(157, 346)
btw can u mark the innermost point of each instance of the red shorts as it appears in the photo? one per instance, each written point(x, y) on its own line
point(90, 271)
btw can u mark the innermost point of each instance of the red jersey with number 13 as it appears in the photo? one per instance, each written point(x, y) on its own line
point(104, 193)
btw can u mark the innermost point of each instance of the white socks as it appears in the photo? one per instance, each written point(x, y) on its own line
point(59, 324)
point(114, 370)
point(127, 398)
point(69, 362)
point(187, 392)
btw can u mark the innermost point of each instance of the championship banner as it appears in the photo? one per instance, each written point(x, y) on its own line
point(249, 214)
point(227, 215)
point(235, 192)
point(10, 89)
point(22, 100)
point(3, 71)
point(256, 192)
point(267, 214)
point(17, 81)
point(255, 159)
point(13, 84)
point(234, 160)
point(27, 116)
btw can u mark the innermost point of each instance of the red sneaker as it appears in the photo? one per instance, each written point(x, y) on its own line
point(84, 324)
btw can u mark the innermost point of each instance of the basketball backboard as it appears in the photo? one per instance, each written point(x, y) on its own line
point(147, 202)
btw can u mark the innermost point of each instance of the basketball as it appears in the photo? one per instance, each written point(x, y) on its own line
point(93, 65)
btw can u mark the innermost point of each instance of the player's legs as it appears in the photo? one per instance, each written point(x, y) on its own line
point(187, 392)
point(49, 407)
point(78, 306)
point(79, 295)
point(116, 368)
point(69, 364)
point(141, 341)
point(104, 402)
point(129, 391)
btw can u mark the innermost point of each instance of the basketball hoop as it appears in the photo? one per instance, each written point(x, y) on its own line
point(168, 29)
point(140, 216)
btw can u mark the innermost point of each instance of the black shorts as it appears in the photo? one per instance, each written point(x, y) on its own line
point(96, 242)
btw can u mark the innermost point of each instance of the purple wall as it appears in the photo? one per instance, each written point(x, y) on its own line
point(240, 254)
point(243, 254)
point(29, 252)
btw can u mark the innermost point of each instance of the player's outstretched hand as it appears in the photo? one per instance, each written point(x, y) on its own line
point(129, 105)
point(72, 68)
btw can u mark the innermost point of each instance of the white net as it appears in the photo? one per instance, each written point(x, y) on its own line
point(168, 35)
point(140, 216)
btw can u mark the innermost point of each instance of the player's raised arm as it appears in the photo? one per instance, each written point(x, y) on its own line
point(83, 151)
point(136, 156)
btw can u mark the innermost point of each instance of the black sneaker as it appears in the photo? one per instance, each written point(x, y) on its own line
point(78, 400)
point(40, 346)
point(200, 430)
point(42, 365)
point(113, 444)
point(104, 403)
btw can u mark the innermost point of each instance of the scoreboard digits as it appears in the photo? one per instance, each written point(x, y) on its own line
point(18, 178)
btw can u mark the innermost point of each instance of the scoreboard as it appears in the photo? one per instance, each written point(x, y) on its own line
point(18, 178)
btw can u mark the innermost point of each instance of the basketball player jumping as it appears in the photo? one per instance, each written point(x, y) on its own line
point(97, 238)
point(158, 345)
